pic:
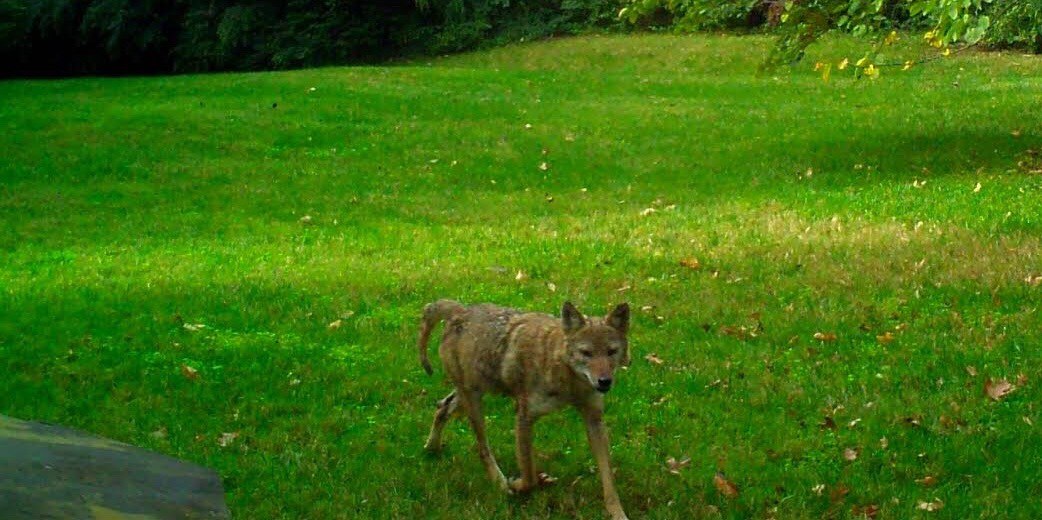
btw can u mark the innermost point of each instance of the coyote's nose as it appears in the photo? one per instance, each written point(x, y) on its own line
point(603, 384)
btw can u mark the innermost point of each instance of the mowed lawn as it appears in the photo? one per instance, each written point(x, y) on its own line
point(278, 233)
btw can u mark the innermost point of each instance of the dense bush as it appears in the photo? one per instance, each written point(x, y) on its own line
point(43, 37)
point(60, 37)
point(1016, 24)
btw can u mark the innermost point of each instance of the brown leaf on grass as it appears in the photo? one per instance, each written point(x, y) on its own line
point(998, 389)
point(189, 372)
point(652, 358)
point(828, 423)
point(838, 493)
point(691, 263)
point(971, 370)
point(869, 511)
point(931, 506)
point(850, 454)
point(886, 338)
point(675, 465)
point(724, 486)
point(336, 324)
point(227, 438)
point(824, 336)
point(927, 481)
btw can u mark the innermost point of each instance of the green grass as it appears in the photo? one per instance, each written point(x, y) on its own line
point(130, 207)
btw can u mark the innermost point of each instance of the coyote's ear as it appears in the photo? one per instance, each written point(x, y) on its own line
point(571, 318)
point(619, 319)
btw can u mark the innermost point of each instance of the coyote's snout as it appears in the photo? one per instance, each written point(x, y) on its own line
point(545, 363)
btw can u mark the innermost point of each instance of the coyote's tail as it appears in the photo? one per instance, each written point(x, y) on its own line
point(433, 313)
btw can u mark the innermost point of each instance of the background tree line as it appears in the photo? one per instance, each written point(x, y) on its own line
point(68, 37)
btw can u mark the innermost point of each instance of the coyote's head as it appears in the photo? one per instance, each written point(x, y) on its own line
point(596, 346)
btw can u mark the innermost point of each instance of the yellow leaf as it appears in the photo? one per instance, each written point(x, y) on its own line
point(891, 38)
point(908, 65)
point(826, 73)
point(862, 62)
point(947, 51)
point(843, 64)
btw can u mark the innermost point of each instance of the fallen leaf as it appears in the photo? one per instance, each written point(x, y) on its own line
point(869, 511)
point(927, 481)
point(306, 219)
point(886, 338)
point(971, 370)
point(652, 358)
point(724, 486)
point(675, 465)
point(884, 443)
point(828, 423)
point(159, 434)
point(1015, 133)
point(824, 336)
point(838, 493)
point(520, 276)
point(976, 189)
point(818, 489)
point(647, 211)
point(189, 372)
point(192, 327)
point(544, 166)
point(336, 324)
point(998, 389)
point(850, 454)
point(227, 438)
point(931, 506)
point(552, 286)
point(691, 263)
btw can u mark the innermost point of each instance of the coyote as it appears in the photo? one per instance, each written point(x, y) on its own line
point(543, 362)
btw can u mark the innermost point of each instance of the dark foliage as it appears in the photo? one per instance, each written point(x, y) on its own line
point(68, 37)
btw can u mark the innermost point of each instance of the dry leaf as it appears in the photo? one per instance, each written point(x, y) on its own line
point(824, 336)
point(520, 276)
point(647, 211)
point(971, 370)
point(552, 286)
point(884, 443)
point(931, 506)
point(227, 438)
point(850, 454)
point(998, 389)
point(543, 166)
point(306, 219)
point(189, 372)
point(838, 493)
point(675, 465)
point(336, 324)
point(818, 489)
point(691, 263)
point(159, 434)
point(724, 486)
point(976, 189)
point(885, 338)
point(192, 327)
point(869, 511)
point(927, 481)
point(652, 358)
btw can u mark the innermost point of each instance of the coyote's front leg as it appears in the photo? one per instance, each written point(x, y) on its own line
point(598, 436)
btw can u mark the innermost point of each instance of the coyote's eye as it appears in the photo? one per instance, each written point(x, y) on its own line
point(586, 353)
point(612, 352)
